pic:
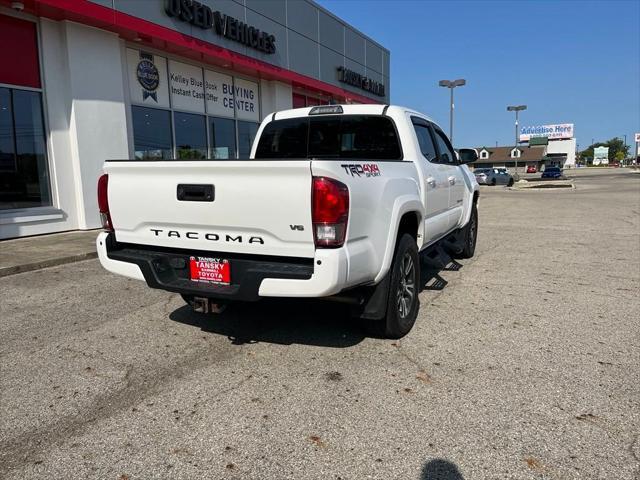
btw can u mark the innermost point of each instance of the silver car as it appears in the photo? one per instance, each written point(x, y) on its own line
point(493, 176)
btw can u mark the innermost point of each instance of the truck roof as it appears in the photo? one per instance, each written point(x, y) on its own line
point(349, 109)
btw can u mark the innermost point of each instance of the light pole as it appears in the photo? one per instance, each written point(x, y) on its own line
point(517, 109)
point(451, 84)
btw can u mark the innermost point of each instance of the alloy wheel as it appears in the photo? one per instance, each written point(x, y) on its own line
point(406, 286)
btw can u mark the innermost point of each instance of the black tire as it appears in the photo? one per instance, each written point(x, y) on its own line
point(510, 184)
point(470, 234)
point(493, 182)
point(404, 285)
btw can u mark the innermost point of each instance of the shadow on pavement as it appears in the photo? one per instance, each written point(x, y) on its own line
point(440, 469)
point(280, 321)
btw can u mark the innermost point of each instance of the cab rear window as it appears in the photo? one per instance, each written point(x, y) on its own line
point(330, 136)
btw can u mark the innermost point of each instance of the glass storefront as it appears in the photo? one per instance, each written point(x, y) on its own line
point(191, 136)
point(183, 111)
point(24, 173)
point(152, 134)
point(222, 132)
point(246, 133)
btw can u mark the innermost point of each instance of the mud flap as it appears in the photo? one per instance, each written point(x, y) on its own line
point(374, 306)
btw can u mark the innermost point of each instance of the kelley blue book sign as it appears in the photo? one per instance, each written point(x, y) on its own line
point(155, 82)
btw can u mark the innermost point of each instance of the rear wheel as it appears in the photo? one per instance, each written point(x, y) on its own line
point(510, 184)
point(493, 182)
point(402, 302)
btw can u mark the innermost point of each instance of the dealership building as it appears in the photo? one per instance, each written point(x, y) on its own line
point(85, 81)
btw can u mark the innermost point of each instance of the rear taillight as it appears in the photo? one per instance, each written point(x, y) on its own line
point(103, 203)
point(329, 212)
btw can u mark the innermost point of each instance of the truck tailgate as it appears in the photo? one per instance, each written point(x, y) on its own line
point(257, 207)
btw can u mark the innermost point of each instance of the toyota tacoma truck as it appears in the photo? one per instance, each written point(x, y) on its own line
point(336, 201)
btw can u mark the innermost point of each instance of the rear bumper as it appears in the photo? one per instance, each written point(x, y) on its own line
point(252, 277)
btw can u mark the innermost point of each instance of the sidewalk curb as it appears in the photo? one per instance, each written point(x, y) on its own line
point(54, 262)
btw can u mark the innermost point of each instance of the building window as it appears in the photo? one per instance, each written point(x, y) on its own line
point(484, 155)
point(24, 173)
point(222, 136)
point(515, 153)
point(151, 134)
point(246, 133)
point(191, 136)
point(301, 101)
point(225, 110)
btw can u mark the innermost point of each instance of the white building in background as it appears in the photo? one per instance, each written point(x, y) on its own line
point(561, 148)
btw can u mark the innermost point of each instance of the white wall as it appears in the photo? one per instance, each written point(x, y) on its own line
point(275, 96)
point(86, 120)
point(98, 126)
point(567, 147)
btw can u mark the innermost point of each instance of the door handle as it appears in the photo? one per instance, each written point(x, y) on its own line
point(452, 180)
point(195, 193)
point(431, 181)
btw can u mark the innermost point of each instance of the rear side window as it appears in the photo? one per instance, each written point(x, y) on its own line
point(331, 136)
point(446, 151)
point(427, 147)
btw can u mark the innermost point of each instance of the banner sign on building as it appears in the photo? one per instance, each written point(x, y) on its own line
point(148, 78)
point(246, 100)
point(637, 137)
point(154, 81)
point(187, 87)
point(201, 16)
point(355, 79)
point(552, 132)
point(219, 94)
point(601, 156)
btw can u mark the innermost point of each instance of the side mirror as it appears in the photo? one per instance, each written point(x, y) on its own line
point(468, 155)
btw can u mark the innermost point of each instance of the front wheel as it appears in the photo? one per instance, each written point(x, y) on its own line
point(470, 234)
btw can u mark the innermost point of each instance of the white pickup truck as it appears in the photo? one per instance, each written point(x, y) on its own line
point(336, 201)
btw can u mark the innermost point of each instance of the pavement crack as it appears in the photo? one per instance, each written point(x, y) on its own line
point(31, 445)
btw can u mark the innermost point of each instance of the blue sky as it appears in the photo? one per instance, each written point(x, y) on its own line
point(569, 61)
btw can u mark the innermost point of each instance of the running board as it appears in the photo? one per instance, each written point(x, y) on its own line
point(453, 244)
point(437, 257)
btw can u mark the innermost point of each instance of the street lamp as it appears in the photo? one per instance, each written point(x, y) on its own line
point(516, 108)
point(451, 84)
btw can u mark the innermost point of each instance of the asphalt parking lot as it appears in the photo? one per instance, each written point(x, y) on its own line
point(523, 364)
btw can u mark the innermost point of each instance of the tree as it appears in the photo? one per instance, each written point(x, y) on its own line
point(616, 145)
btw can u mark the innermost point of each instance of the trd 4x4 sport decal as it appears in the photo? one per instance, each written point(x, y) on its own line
point(367, 169)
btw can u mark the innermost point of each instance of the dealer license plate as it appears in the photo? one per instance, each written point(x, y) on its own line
point(210, 270)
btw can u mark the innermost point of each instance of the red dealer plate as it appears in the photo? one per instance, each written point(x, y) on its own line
point(210, 270)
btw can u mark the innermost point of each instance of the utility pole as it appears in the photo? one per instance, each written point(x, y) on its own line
point(517, 109)
point(451, 84)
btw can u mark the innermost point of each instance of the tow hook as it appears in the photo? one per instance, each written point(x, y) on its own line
point(207, 305)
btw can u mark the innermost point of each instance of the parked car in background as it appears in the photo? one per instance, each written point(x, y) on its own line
point(552, 172)
point(532, 169)
point(614, 165)
point(493, 176)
